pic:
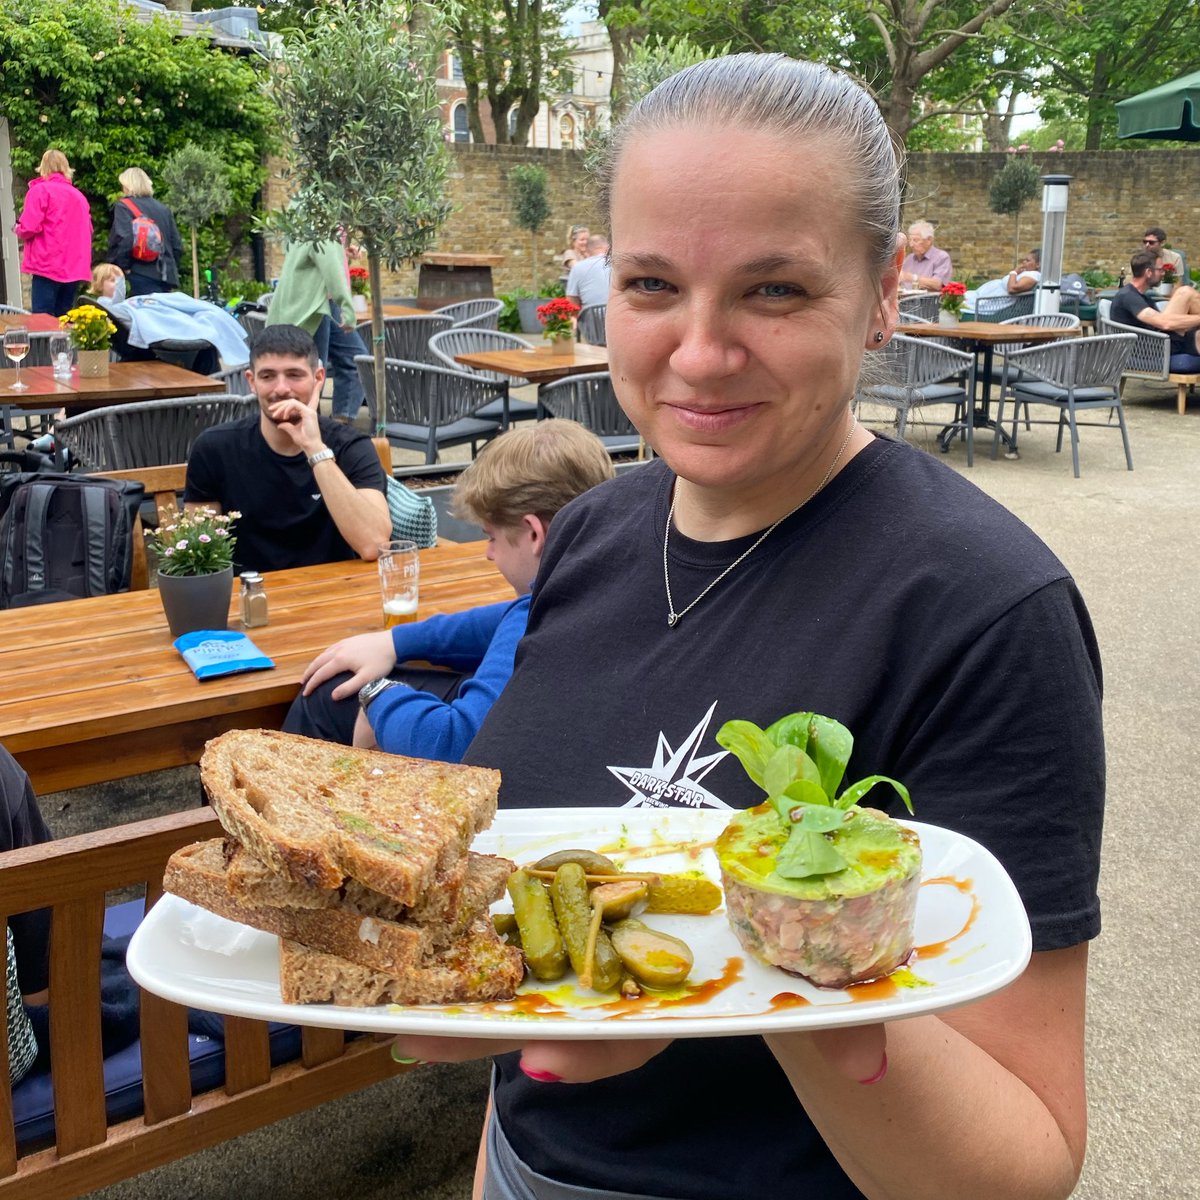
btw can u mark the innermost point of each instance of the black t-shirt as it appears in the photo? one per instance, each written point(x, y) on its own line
point(1126, 305)
point(901, 601)
point(284, 521)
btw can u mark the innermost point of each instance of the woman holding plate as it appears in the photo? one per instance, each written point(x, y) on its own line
point(779, 557)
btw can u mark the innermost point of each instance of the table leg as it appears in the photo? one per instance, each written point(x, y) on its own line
point(979, 417)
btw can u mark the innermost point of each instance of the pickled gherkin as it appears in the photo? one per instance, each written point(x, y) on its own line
point(591, 862)
point(540, 938)
point(569, 894)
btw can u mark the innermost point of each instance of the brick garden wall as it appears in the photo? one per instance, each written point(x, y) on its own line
point(1114, 195)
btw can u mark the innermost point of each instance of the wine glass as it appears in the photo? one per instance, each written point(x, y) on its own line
point(16, 346)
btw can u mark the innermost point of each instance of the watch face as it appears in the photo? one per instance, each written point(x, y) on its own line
point(370, 690)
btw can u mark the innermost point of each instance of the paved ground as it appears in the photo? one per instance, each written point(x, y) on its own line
point(1131, 539)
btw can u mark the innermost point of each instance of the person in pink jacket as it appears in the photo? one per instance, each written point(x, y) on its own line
point(56, 227)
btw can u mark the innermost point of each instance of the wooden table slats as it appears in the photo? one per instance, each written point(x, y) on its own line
point(541, 364)
point(125, 381)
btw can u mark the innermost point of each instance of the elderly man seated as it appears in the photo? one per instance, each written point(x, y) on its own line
point(1024, 277)
point(925, 266)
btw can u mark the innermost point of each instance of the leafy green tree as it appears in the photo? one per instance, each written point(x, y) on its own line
point(512, 52)
point(196, 187)
point(1017, 182)
point(531, 207)
point(112, 91)
point(356, 88)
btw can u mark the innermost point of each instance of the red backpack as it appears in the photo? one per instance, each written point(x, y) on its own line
point(147, 237)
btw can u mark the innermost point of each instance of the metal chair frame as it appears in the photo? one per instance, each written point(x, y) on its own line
point(590, 400)
point(920, 308)
point(472, 340)
point(407, 338)
point(1004, 308)
point(474, 314)
point(590, 325)
point(1058, 320)
point(1062, 371)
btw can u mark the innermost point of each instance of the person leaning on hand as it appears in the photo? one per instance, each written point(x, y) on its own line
point(753, 203)
point(309, 490)
point(925, 266)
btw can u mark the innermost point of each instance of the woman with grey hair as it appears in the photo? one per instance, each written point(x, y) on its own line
point(777, 557)
point(150, 262)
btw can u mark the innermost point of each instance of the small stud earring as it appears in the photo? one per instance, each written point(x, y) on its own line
point(878, 336)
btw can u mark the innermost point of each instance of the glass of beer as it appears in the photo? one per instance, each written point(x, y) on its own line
point(399, 576)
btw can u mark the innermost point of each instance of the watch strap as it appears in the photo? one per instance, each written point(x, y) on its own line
point(320, 457)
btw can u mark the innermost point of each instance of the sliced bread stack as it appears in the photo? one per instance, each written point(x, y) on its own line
point(359, 861)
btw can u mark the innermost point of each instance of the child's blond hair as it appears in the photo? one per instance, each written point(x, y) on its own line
point(101, 274)
point(535, 468)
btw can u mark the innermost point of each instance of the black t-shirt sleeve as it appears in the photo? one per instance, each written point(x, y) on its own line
point(21, 824)
point(360, 464)
point(1126, 305)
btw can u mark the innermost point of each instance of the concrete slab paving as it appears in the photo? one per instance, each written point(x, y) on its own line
point(1131, 540)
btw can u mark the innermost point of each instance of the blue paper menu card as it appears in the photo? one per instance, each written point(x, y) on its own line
point(214, 652)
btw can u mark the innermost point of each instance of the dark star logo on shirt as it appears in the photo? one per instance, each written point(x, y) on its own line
point(673, 779)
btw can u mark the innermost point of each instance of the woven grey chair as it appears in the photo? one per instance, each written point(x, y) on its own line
point(1058, 320)
point(14, 309)
point(407, 338)
point(234, 379)
point(252, 322)
point(1151, 357)
point(1004, 308)
point(590, 400)
point(469, 340)
point(1073, 376)
point(153, 433)
point(921, 308)
point(590, 326)
point(427, 408)
point(28, 423)
point(920, 371)
point(475, 314)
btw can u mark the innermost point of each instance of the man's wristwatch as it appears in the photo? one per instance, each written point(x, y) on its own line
point(320, 457)
point(368, 691)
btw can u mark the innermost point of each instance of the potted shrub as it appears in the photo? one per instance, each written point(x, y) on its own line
point(91, 335)
point(194, 552)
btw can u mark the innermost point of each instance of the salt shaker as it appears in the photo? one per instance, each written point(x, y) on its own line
point(254, 600)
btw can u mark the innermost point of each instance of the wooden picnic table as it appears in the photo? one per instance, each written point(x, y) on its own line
point(94, 689)
point(151, 380)
point(34, 322)
point(541, 364)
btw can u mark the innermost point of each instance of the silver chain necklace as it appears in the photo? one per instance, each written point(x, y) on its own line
point(673, 617)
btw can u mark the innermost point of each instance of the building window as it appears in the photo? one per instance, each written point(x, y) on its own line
point(513, 118)
point(566, 131)
point(456, 71)
point(462, 132)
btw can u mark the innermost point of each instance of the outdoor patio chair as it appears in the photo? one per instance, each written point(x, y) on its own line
point(1004, 308)
point(590, 326)
point(916, 372)
point(1058, 320)
point(15, 309)
point(920, 308)
point(470, 340)
point(428, 408)
point(1073, 375)
point(590, 400)
point(407, 338)
point(475, 314)
point(150, 433)
point(252, 322)
point(234, 379)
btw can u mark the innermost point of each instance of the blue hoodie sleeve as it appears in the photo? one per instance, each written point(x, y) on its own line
point(456, 640)
point(415, 723)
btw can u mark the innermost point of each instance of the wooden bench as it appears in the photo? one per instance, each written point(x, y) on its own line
point(71, 877)
point(1185, 385)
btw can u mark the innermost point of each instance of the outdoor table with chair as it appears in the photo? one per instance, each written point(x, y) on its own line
point(94, 689)
point(539, 364)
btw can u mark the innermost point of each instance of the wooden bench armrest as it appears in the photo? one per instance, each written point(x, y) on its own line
point(164, 484)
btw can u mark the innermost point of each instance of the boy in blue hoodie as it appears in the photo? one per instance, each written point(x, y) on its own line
point(359, 692)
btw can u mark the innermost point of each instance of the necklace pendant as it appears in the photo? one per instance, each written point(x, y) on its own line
point(672, 620)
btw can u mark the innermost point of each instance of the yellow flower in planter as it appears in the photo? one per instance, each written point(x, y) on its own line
point(89, 326)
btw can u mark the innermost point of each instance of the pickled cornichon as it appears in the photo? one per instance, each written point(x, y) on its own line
point(569, 894)
point(591, 862)
point(652, 957)
point(540, 938)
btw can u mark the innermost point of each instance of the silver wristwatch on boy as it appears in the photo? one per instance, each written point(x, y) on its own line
point(371, 689)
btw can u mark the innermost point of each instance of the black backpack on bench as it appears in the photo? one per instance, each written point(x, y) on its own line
point(63, 537)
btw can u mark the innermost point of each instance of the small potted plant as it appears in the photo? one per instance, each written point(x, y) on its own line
point(1169, 279)
point(194, 552)
point(360, 288)
point(952, 299)
point(558, 323)
point(91, 333)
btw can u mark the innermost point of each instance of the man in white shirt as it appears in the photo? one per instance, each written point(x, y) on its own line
point(589, 278)
point(1024, 278)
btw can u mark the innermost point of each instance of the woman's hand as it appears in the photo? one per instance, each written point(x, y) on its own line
point(547, 1062)
point(366, 656)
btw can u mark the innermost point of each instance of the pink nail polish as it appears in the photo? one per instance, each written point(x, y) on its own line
point(541, 1076)
point(878, 1074)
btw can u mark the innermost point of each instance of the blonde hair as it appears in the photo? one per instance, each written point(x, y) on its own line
point(535, 469)
point(135, 182)
point(101, 274)
point(52, 161)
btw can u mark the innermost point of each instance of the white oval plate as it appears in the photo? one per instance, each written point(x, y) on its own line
point(970, 922)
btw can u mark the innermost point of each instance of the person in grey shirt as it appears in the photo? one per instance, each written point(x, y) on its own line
point(589, 277)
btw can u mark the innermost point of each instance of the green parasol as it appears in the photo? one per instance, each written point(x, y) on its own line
point(1170, 111)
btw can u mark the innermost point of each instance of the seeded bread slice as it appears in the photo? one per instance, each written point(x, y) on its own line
point(319, 813)
point(477, 967)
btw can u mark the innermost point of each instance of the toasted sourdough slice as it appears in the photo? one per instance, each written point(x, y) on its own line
point(457, 895)
point(477, 966)
point(318, 813)
point(199, 873)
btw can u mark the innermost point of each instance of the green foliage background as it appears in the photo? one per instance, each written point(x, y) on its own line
point(112, 91)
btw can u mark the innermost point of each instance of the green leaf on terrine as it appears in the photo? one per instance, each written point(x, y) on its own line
point(874, 849)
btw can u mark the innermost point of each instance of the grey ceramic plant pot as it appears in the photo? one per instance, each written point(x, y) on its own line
point(194, 602)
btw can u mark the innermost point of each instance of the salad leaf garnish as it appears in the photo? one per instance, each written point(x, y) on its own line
point(800, 761)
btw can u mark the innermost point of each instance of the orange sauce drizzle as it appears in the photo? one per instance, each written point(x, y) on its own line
point(788, 1000)
point(933, 949)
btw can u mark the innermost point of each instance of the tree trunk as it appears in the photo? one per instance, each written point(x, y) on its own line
point(1098, 102)
point(533, 261)
point(377, 346)
point(195, 268)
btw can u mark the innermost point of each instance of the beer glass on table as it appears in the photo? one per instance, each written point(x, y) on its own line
point(16, 346)
point(399, 577)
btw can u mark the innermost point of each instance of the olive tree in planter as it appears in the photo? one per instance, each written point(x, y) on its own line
point(196, 182)
point(1017, 183)
point(356, 88)
point(531, 208)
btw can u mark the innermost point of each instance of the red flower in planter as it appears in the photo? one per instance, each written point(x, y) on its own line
point(360, 281)
point(952, 297)
point(557, 316)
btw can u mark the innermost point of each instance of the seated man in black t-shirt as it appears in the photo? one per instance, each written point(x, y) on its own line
point(307, 489)
point(1180, 319)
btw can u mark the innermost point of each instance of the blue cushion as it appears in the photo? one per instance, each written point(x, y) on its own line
point(465, 430)
point(33, 1097)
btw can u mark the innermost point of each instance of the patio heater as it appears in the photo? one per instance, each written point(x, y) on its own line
point(1054, 229)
